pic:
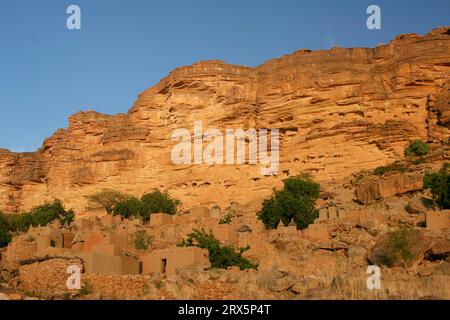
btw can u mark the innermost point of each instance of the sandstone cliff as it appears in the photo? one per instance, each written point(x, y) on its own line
point(338, 111)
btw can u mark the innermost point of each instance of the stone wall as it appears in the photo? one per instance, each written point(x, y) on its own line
point(168, 261)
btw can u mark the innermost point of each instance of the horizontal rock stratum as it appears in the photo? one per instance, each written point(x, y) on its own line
point(338, 111)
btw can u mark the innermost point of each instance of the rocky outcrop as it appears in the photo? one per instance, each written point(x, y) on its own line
point(389, 186)
point(420, 204)
point(338, 111)
point(402, 250)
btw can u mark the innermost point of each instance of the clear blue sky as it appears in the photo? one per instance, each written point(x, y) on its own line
point(48, 72)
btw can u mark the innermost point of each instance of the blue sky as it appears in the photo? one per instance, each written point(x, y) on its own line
point(48, 72)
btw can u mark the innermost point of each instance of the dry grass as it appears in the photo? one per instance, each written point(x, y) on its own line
point(395, 284)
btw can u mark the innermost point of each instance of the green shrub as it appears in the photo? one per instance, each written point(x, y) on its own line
point(271, 212)
point(154, 202)
point(67, 296)
point(439, 183)
point(5, 235)
point(131, 207)
point(380, 171)
point(302, 187)
point(40, 215)
point(46, 213)
point(220, 256)
point(399, 246)
point(3, 221)
point(86, 288)
point(158, 283)
point(141, 240)
point(296, 202)
point(20, 222)
point(158, 202)
point(417, 148)
point(67, 217)
point(106, 199)
point(226, 219)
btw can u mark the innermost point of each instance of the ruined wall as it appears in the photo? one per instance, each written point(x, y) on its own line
point(168, 261)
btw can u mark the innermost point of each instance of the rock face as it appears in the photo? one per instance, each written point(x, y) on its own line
point(390, 186)
point(338, 111)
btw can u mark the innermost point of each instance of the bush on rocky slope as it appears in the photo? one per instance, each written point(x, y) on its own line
point(400, 248)
point(40, 215)
point(439, 183)
point(296, 202)
point(417, 148)
point(154, 202)
point(395, 167)
point(5, 236)
point(128, 208)
point(220, 256)
point(158, 201)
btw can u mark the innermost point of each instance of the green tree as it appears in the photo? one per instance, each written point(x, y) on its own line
point(106, 199)
point(296, 202)
point(158, 202)
point(5, 235)
point(271, 213)
point(3, 220)
point(128, 208)
point(417, 148)
point(439, 183)
point(19, 222)
point(40, 215)
point(302, 187)
point(220, 256)
point(154, 202)
point(46, 213)
point(67, 217)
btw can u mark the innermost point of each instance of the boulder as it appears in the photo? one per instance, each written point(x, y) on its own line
point(4, 296)
point(355, 251)
point(15, 296)
point(369, 226)
point(298, 288)
point(5, 276)
point(389, 254)
point(440, 249)
point(416, 206)
point(438, 220)
point(332, 245)
point(268, 278)
point(320, 293)
point(283, 284)
point(244, 228)
point(389, 186)
point(302, 285)
point(442, 269)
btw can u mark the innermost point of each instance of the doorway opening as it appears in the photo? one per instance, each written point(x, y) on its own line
point(163, 265)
